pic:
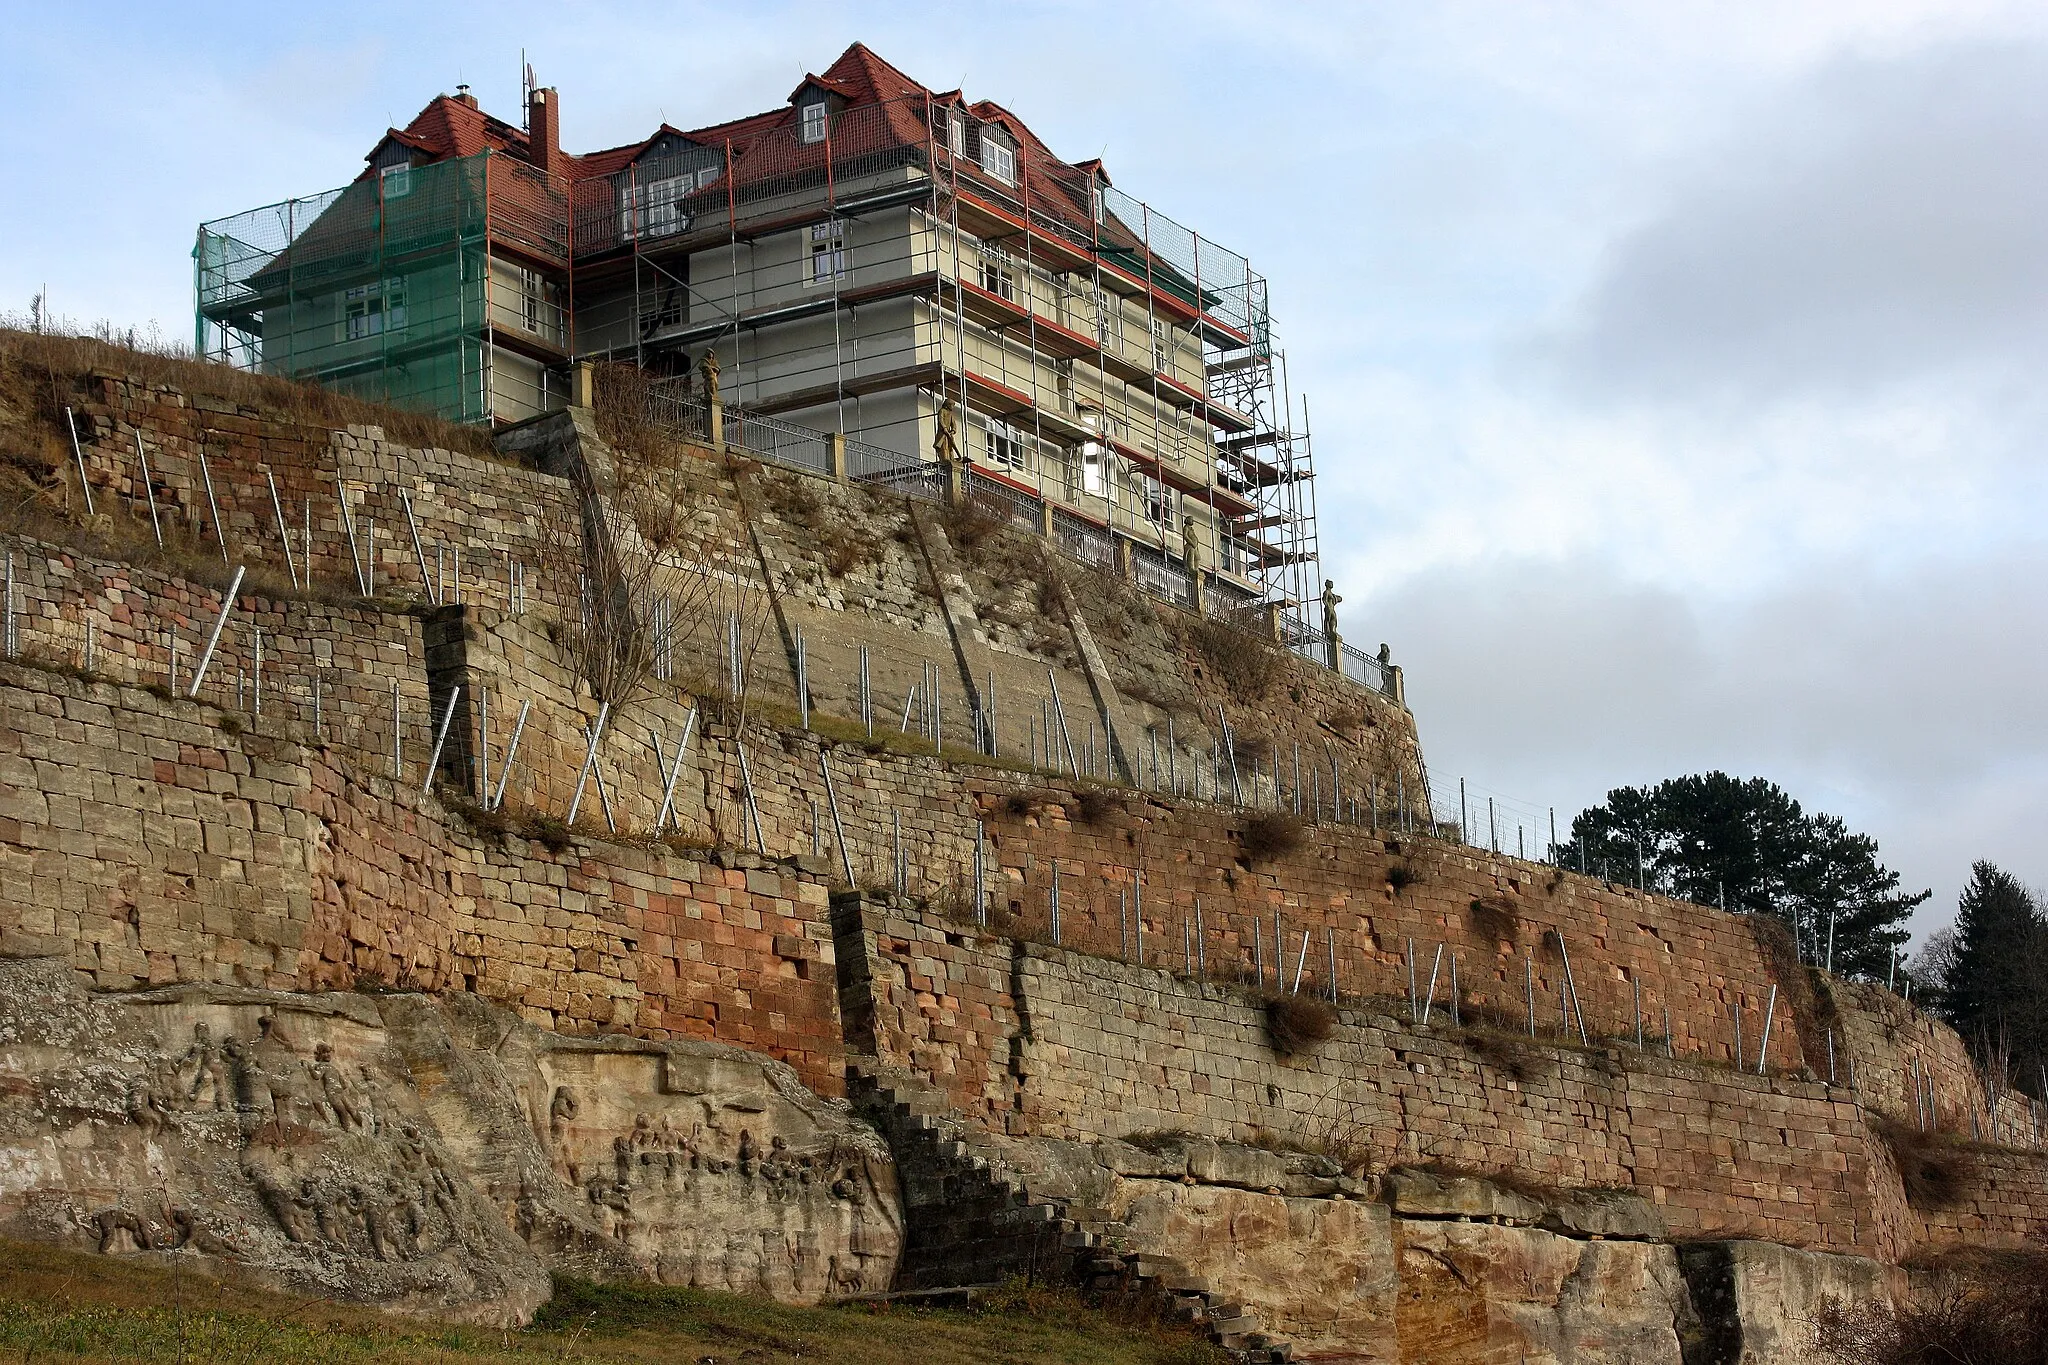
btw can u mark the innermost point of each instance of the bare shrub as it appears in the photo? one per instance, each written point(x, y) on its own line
point(1296, 1023)
point(625, 556)
point(1270, 835)
point(971, 521)
point(1494, 918)
point(1246, 660)
point(1401, 876)
point(1092, 805)
point(1990, 1310)
point(1932, 1169)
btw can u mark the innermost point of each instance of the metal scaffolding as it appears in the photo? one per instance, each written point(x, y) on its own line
point(855, 275)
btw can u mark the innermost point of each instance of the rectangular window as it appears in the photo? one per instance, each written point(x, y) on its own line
point(1109, 321)
point(828, 252)
point(397, 181)
point(1162, 347)
point(956, 135)
point(652, 208)
point(997, 276)
point(1004, 445)
point(999, 159)
point(373, 309)
point(1149, 496)
point(813, 116)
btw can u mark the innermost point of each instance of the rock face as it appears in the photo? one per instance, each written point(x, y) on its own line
point(1759, 1301)
point(432, 1155)
point(1496, 1292)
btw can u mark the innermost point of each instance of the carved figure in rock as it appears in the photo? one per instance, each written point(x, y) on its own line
point(209, 1069)
point(325, 1216)
point(283, 1203)
point(145, 1110)
point(113, 1224)
point(622, 1160)
point(747, 1152)
point(562, 1111)
point(376, 1216)
point(252, 1086)
point(334, 1090)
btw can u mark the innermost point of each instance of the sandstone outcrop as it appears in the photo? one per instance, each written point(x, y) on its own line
point(435, 1155)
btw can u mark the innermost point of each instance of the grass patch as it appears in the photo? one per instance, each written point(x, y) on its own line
point(1494, 917)
point(1296, 1023)
point(1247, 661)
point(68, 1306)
point(1271, 835)
point(1935, 1173)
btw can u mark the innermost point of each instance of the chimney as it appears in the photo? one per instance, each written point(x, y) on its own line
point(463, 96)
point(544, 133)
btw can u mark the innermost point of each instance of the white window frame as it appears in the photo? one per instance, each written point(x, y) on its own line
point(1109, 321)
point(648, 208)
point(1004, 446)
point(396, 181)
point(827, 253)
point(811, 121)
point(998, 272)
point(1162, 346)
point(956, 134)
point(999, 159)
point(373, 309)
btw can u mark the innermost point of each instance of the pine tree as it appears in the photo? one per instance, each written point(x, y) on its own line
point(1996, 986)
point(1748, 845)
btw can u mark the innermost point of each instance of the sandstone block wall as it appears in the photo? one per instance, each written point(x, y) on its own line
point(1087, 1048)
point(147, 844)
point(1688, 963)
point(488, 509)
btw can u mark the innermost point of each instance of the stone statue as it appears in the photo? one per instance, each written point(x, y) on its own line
point(334, 1089)
point(145, 1110)
point(1386, 656)
point(1190, 547)
point(946, 437)
point(708, 368)
point(207, 1066)
point(1330, 636)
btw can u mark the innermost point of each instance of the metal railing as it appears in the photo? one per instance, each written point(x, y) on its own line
point(1161, 577)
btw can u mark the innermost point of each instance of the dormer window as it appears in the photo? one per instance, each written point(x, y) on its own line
point(811, 127)
point(956, 135)
point(397, 180)
point(999, 158)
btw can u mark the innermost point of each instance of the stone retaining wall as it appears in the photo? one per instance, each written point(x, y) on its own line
point(146, 844)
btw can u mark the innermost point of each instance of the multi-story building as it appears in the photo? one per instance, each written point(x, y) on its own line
point(859, 260)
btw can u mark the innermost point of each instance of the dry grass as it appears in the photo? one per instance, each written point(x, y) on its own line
point(1932, 1167)
point(48, 370)
point(1270, 835)
point(1494, 917)
point(71, 1307)
point(1246, 661)
point(1400, 876)
point(1296, 1023)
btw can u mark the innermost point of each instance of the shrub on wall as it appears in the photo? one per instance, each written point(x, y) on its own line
point(1296, 1023)
point(1269, 835)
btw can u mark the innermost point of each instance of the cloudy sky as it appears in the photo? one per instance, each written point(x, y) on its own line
point(1676, 369)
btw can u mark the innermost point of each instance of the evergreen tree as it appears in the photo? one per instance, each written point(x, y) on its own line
point(1748, 845)
point(1995, 989)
